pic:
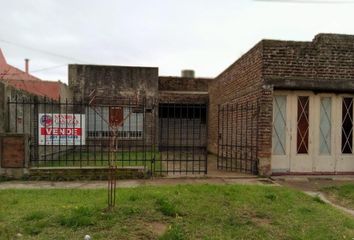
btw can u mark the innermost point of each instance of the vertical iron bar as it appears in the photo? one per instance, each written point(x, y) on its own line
point(45, 135)
point(95, 134)
point(136, 133)
point(88, 140)
point(80, 112)
point(123, 139)
point(23, 115)
point(251, 137)
point(180, 138)
point(222, 136)
point(206, 139)
point(129, 131)
point(31, 128)
point(102, 140)
point(241, 137)
point(257, 137)
point(193, 138)
point(9, 102)
point(237, 137)
point(187, 138)
point(52, 142)
point(231, 137)
point(174, 138)
point(227, 136)
point(35, 133)
point(144, 135)
point(247, 127)
point(60, 136)
point(167, 138)
point(66, 136)
point(16, 113)
point(218, 140)
point(200, 147)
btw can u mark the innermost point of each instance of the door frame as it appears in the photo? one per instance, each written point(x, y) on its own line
point(281, 163)
point(301, 162)
point(322, 162)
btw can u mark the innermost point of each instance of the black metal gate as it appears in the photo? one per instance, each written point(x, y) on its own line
point(238, 137)
point(171, 138)
point(182, 138)
point(55, 141)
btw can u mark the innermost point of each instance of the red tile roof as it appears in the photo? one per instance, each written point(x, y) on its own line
point(27, 82)
point(40, 88)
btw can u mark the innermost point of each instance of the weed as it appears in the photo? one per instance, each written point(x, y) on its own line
point(271, 196)
point(175, 232)
point(318, 199)
point(133, 198)
point(79, 217)
point(36, 215)
point(166, 207)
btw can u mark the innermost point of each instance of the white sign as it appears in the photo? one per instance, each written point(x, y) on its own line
point(61, 129)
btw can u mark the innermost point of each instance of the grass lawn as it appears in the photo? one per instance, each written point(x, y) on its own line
point(178, 212)
point(342, 194)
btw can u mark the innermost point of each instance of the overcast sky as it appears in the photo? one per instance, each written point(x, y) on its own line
point(204, 35)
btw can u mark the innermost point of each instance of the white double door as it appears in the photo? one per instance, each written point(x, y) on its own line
point(312, 132)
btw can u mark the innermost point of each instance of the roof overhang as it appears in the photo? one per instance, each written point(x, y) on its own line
point(316, 85)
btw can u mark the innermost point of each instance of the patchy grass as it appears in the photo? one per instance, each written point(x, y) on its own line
point(171, 213)
point(342, 194)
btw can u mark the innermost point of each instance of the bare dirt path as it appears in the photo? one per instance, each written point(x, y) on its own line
point(130, 183)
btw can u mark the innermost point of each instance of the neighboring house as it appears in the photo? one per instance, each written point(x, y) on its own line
point(23, 80)
point(20, 85)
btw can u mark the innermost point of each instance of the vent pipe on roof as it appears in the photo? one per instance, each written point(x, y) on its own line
point(26, 65)
point(188, 73)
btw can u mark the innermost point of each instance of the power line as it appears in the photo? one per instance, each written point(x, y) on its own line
point(49, 68)
point(309, 1)
point(40, 50)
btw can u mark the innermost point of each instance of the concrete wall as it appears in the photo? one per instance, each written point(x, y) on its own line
point(183, 90)
point(183, 84)
point(65, 92)
point(112, 81)
point(9, 92)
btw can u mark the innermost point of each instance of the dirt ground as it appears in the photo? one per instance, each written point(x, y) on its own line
point(312, 183)
point(130, 183)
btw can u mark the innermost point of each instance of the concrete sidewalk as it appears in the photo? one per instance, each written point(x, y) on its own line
point(131, 183)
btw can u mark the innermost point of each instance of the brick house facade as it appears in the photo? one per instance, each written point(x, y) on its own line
point(322, 66)
point(303, 121)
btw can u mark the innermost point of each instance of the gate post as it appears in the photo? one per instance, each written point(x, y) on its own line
point(14, 155)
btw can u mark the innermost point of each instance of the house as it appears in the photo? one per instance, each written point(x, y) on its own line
point(23, 80)
point(305, 94)
point(284, 107)
point(17, 85)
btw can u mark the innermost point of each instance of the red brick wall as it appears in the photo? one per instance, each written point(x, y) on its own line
point(327, 57)
point(13, 151)
point(242, 82)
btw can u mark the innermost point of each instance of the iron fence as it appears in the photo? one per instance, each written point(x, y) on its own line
point(65, 133)
point(183, 138)
point(163, 139)
point(238, 137)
